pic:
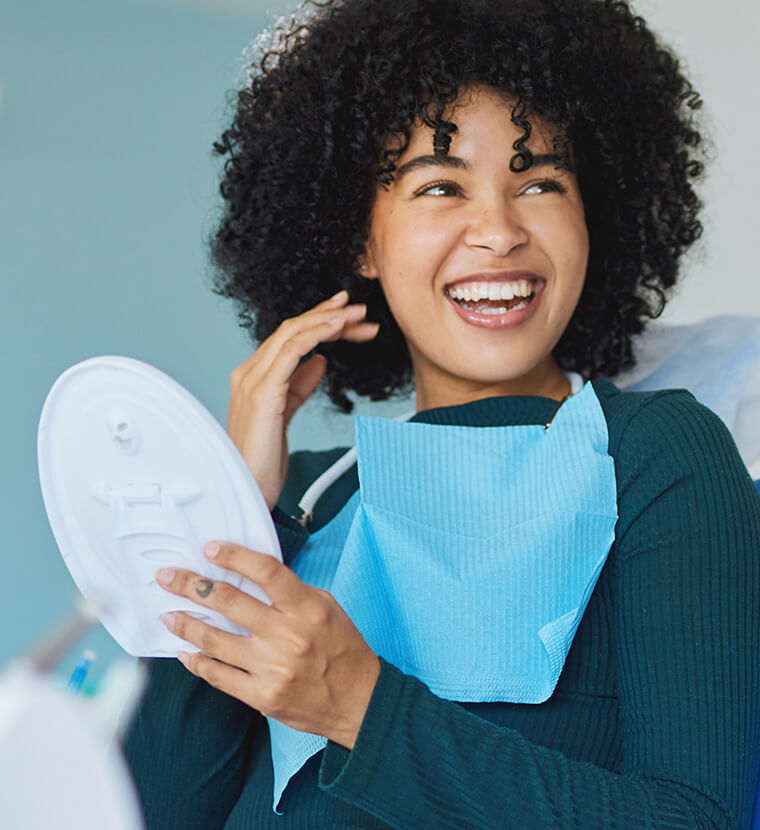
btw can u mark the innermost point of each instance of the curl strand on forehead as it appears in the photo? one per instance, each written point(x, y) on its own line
point(433, 115)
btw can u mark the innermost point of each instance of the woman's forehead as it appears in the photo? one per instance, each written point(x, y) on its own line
point(480, 114)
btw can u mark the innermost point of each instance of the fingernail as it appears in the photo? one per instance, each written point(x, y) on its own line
point(339, 295)
point(183, 658)
point(211, 549)
point(168, 620)
point(165, 576)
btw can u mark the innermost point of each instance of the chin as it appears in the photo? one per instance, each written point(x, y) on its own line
point(498, 377)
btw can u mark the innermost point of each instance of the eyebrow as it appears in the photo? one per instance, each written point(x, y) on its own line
point(541, 160)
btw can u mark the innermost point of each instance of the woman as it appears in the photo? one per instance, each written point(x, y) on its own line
point(499, 193)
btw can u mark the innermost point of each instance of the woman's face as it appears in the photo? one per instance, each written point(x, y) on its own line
point(481, 267)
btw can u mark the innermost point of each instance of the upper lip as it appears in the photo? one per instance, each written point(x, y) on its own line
point(495, 276)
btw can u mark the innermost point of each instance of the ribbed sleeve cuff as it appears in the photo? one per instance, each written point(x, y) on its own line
point(347, 774)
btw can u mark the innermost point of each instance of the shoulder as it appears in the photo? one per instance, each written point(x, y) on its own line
point(675, 462)
point(643, 422)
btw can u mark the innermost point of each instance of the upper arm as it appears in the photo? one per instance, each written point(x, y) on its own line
point(188, 748)
point(687, 602)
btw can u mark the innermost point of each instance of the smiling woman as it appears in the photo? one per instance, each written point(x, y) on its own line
point(514, 610)
point(477, 259)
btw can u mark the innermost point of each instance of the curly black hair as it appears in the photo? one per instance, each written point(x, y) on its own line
point(304, 156)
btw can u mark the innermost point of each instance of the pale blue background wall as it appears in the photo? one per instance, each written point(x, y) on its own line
point(107, 189)
point(107, 192)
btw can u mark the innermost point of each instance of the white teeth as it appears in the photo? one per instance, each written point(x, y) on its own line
point(490, 311)
point(491, 290)
point(498, 310)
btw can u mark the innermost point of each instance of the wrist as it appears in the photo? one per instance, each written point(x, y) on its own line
point(362, 688)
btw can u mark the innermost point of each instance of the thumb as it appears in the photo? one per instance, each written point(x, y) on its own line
point(303, 382)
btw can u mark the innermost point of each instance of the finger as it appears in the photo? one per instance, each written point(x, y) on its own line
point(315, 316)
point(340, 318)
point(226, 678)
point(278, 581)
point(268, 349)
point(309, 374)
point(221, 645)
point(337, 299)
point(360, 332)
point(278, 357)
point(230, 602)
point(286, 362)
point(336, 304)
point(304, 381)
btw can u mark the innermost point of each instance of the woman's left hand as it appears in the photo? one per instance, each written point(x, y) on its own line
point(304, 663)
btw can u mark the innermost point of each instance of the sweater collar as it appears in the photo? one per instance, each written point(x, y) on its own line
point(499, 411)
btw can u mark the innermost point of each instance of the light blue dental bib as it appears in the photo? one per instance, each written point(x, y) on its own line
point(468, 555)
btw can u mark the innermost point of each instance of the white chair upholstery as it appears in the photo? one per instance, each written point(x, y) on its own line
point(718, 360)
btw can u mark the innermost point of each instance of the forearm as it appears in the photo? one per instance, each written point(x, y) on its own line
point(423, 762)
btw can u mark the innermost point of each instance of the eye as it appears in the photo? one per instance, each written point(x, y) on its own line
point(444, 188)
point(545, 186)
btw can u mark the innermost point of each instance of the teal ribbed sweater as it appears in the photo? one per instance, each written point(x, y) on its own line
point(655, 721)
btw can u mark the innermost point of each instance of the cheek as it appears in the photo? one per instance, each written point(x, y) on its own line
point(409, 253)
point(566, 240)
point(582, 254)
point(578, 250)
point(574, 267)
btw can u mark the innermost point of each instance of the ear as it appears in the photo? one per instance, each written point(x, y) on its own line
point(365, 265)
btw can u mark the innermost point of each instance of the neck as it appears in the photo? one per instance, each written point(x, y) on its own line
point(547, 381)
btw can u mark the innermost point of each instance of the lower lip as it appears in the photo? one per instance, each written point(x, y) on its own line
point(499, 321)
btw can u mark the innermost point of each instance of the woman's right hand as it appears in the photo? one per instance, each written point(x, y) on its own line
point(267, 390)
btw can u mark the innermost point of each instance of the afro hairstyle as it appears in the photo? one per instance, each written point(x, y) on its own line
point(304, 155)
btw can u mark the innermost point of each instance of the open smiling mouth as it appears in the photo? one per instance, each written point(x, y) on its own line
point(494, 298)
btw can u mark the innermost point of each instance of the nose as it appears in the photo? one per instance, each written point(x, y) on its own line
point(496, 226)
